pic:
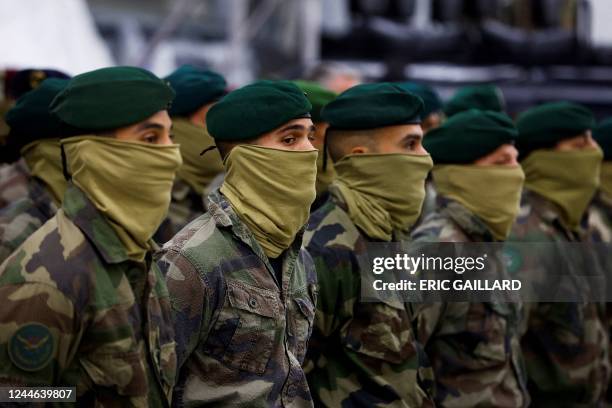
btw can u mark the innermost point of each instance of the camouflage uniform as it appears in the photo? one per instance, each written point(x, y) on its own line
point(241, 333)
point(20, 219)
point(565, 345)
point(77, 311)
point(362, 354)
point(14, 180)
point(474, 347)
point(186, 205)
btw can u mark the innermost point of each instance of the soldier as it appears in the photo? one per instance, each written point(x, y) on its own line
point(196, 92)
point(483, 97)
point(318, 98)
point(243, 289)
point(600, 212)
point(432, 113)
point(365, 354)
point(83, 303)
point(35, 137)
point(565, 345)
point(470, 150)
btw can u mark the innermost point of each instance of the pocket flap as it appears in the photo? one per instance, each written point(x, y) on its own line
point(254, 300)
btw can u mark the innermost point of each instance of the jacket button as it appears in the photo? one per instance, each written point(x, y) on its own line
point(253, 302)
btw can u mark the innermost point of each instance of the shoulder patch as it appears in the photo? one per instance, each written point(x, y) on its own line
point(31, 347)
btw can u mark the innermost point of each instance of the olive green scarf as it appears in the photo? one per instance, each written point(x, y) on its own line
point(605, 178)
point(567, 178)
point(271, 190)
point(492, 193)
point(128, 182)
point(383, 192)
point(324, 177)
point(44, 159)
point(197, 171)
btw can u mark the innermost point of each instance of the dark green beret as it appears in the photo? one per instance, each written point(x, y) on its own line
point(110, 98)
point(483, 97)
point(545, 125)
point(603, 135)
point(369, 106)
point(255, 109)
point(318, 97)
point(468, 136)
point(430, 97)
point(194, 88)
point(30, 119)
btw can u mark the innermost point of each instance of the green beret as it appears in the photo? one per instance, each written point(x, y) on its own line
point(318, 97)
point(545, 125)
point(483, 97)
point(468, 136)
point(194, 88)
point(110, 98)
point(30, 119)
point(255, 109)
point(369, 106)
point(603, 135)
point(430, 97)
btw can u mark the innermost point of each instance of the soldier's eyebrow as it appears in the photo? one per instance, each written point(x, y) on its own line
point(149, 125)
point(410, 136)
point(297, 127)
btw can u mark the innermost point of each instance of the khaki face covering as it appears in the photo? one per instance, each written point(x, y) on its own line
point(383, 192)
point(44, 158)
point(605, 179)
point(271, 190)
point(129, 182)
point(568, 179)
point(493, 193)
point(324, 177)
point(197, 171)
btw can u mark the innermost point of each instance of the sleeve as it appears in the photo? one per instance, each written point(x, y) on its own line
point(39, 334)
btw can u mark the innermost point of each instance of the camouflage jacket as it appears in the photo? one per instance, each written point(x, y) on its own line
point(565, 345)
point(77, 312)
point(361, 354)
point(186, 205)
point(241, 333)
point(474, 347)
point(600, 219)
point(14, 180)
point(20, 219)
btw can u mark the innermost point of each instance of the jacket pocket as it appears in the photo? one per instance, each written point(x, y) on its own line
point(244, 334)
point(301, 318)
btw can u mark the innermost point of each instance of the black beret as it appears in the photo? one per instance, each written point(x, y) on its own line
point(30, 119)
point(468, 136)
point(369, 106)
point(194, 88)
point(25, 80)
point(111, 98)
point(255, 109)
point(603, 135)
point(545, 125)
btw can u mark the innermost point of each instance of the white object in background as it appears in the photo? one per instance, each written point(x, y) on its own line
point(59, 34)
point(601, 29)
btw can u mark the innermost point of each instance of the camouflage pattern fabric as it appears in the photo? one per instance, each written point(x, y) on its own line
point(77, 312)
point(241, 331)
point(186, 205)
point(600, 231)
point(14, 180)
point(474, 348)
point(20, 219)
point(565, 345)
point(361, 354)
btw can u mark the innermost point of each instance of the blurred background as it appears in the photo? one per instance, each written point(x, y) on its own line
point(534, 50)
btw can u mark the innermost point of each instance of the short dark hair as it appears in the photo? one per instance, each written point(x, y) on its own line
point(340, 142)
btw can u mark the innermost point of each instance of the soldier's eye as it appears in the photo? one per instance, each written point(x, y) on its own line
point(289, 139)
